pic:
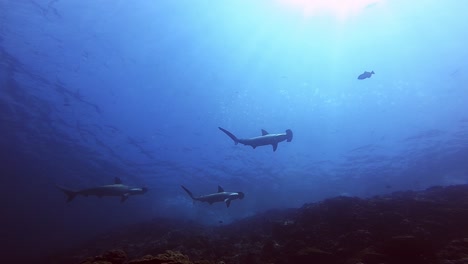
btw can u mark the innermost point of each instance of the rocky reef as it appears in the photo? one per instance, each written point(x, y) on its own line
point(120, 257)
point(424, 227)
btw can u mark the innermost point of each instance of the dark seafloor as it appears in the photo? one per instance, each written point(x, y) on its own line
point(429, 226)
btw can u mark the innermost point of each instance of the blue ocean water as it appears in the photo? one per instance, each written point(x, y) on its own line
point(93, 90)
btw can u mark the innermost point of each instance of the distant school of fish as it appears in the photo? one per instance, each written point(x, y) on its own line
point(124, 191)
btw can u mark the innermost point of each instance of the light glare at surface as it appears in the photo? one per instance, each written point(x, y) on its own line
point(339, 9)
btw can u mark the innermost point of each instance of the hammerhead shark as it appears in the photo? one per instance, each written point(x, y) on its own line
point(220, 196)
point(263, 140)
point(116, 189)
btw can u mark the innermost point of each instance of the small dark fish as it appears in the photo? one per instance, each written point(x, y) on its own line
point(220, 221)
point(365, 75)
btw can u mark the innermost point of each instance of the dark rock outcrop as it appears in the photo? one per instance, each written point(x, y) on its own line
point(405, 227)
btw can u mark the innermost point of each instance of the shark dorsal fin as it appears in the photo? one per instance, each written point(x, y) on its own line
point(220, 189)
point(117, 180)
point(264, 132)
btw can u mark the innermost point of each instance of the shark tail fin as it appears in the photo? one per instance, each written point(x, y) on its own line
point(187, 191)
point(236, 141)
point(70, 194)
point(289, 135)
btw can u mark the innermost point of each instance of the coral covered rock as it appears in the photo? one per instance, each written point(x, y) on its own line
point(426, 227)
point(169, 257)
point(313, 255)
point(110, 257)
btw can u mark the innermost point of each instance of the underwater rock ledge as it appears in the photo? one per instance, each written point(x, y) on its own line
point(427, 227)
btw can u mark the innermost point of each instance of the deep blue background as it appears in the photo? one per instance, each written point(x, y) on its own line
point(90, 90)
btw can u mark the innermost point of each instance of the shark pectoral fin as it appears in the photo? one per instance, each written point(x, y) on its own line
point(124, 197)
point(228, 202)
point(275, 146)
point(264, 132)
point(253, 146)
